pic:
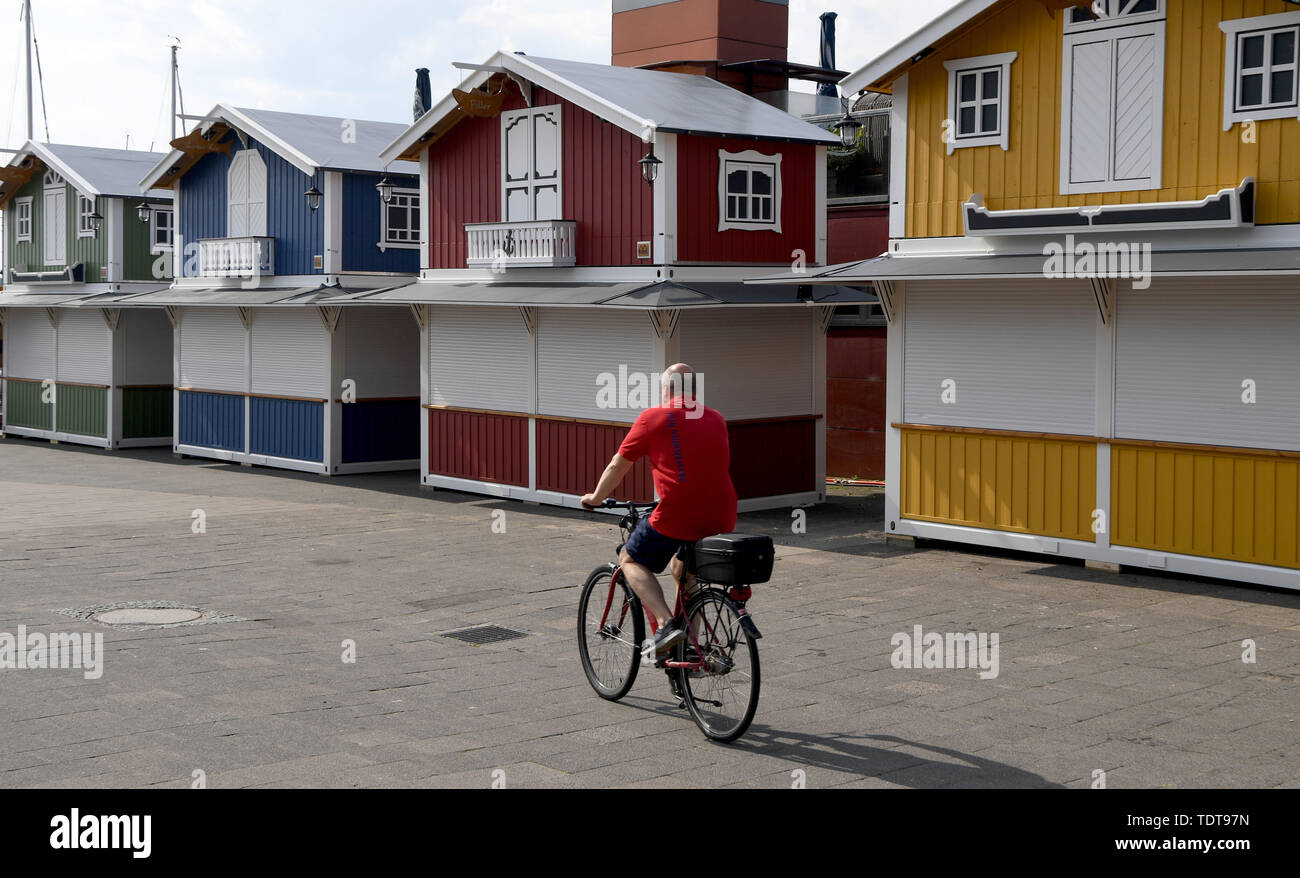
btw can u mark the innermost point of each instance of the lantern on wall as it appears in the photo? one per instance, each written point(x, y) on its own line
point(650, 164)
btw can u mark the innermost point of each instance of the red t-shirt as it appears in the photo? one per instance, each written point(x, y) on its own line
point(691, 458)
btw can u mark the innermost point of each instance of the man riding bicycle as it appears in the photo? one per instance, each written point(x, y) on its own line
point(691, 458)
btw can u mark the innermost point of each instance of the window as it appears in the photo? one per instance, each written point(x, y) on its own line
point(530, 164)
point(162, 230)
point(978, 104)
point(749, 191)
point(1259, 79)
point(401, 225)
point(85, 207)
point(1112, 106)
point(22, 219)
point(861, 172)
point(1108, 13)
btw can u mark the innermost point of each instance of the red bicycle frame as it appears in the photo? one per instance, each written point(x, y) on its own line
point(678, 610)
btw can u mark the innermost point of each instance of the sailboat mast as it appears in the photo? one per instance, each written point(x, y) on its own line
point(173, 76)
point(27, 19)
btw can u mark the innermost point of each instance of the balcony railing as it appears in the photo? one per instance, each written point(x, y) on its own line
point(236, 257)
point(505, 245)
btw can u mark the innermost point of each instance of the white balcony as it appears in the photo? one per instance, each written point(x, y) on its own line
point(505, 245)
point(236, 257)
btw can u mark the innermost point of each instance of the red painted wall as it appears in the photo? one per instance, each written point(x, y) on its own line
point(855, 403)
point(571, 457)
point(857, 232)
point(698, 238)
point(468, 445)
point(768, 459)
point(601, 186)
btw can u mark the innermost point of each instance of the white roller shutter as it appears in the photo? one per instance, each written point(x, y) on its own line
point(148, 347)
point(29, 344)
point(753, 363)
point(291, 352)
point(381, 351)
point(478, 358)
point(1021, 354)
point(213, 356)
point(577, 346)
point(1184, 348)
point(85, 347)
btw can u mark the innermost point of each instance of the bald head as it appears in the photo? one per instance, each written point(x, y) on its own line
point(678, 380)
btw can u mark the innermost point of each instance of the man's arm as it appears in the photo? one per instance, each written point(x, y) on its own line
point(609, 479)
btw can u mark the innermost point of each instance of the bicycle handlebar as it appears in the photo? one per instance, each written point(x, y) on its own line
point(611, 503)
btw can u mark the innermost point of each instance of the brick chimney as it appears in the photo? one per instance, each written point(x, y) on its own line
point(698, 36)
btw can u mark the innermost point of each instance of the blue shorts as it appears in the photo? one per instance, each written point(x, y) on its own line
point(651, 549)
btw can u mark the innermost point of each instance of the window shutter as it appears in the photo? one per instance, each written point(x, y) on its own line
point(1089, 110)
point(1137, 112)
point(256, 195)
point(237, 198)
point(515, 161)
point(546, 166)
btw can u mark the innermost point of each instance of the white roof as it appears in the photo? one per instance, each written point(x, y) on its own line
point(309, 143)
point(95, 170)
point(914, 45)
point(636, 100)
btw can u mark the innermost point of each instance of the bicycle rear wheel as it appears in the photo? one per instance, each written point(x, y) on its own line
point(611, 627)
point(722, 698)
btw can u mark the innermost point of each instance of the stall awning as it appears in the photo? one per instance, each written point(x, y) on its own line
point(236, 297)
point(1197, 263)
point(665, 294)
point(71, 300)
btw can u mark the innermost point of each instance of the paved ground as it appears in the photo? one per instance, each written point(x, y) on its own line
point(1139, 676)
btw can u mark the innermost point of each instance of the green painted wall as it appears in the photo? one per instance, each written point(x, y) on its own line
point(83, 410)
point(136, 240)
point(146, 412)
point(91, 251)
point(23, 406)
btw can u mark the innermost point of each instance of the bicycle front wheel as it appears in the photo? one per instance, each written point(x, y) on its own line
point(723, 697)
point(611, 627)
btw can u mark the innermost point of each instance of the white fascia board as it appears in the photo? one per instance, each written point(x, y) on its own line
point(51, 160)
point(298, 159)
point(592, 103)
point(936, 30)
point(436, 114)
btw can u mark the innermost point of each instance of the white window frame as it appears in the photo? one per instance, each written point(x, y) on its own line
point(1002, 63)
point(413, 212)
point(85, 228)
point(751, 160)
point(52, 179)
point(21, 237)
point(528, 113)
point(154, 246)
point(1233, 31)
point(1144, 24)
point(1116, 20)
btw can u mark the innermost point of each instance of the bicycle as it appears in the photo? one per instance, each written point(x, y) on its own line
point(714, 671)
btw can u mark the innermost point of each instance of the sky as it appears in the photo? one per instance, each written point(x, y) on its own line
point(105, 62)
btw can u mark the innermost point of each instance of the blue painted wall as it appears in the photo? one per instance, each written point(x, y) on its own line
point(381, 430)
point(212, 420)
point(287, 428)
point(299, 231)
point(362, 226)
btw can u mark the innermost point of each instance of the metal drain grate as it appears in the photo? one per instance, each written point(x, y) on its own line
point(480, 634)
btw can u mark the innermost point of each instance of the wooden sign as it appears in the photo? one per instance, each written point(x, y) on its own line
point(195, 142)
point(476, 103)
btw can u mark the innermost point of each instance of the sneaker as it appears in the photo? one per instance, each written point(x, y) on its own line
point(671, 634)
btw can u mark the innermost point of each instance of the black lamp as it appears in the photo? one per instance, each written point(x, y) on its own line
point(385, 187)
point(96, 221)
point(849, 128)
point(650, 164)
point(143, 211)
point(313, 197)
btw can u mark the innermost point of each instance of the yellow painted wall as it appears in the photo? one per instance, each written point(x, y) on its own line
point(1036, 486)
point(1199, 159)
point(1232, 505)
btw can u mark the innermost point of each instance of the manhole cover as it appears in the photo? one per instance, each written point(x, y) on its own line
point(480, 634)
point(147, 616)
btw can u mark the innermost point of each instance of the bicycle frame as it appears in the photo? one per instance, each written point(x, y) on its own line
point(678, 610)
